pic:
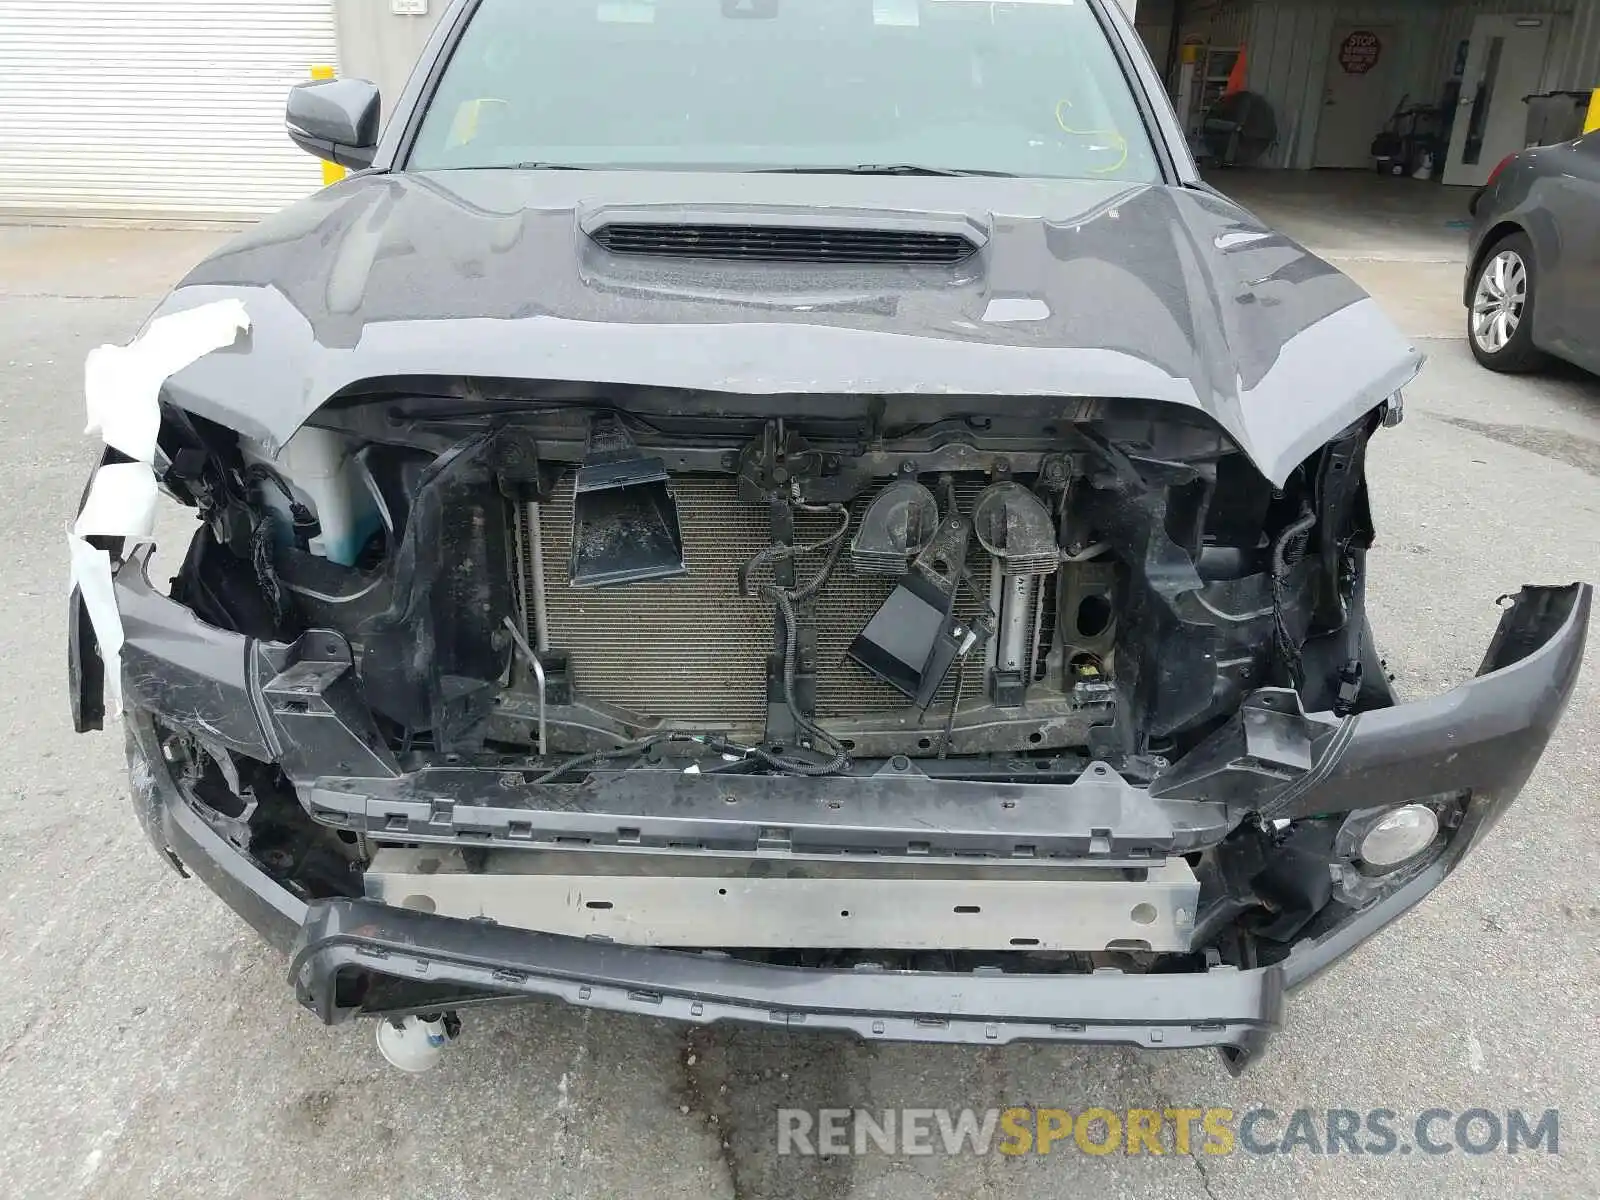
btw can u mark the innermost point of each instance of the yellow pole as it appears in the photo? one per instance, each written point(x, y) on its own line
point(1592, 121)
point(331, 172)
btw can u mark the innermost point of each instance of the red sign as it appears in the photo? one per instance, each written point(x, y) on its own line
point(1359, 52)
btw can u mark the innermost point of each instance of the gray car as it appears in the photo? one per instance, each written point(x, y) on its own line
point(1533, 277)
point(887, 556)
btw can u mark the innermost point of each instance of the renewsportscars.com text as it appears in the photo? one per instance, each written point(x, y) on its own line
point(1195, 1130)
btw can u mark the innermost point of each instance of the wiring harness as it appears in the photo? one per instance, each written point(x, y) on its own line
point(785, 601)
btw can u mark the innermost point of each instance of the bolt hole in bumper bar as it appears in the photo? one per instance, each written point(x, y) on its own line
point(351, 956)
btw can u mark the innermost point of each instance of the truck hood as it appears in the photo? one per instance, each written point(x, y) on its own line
point(1098, 289)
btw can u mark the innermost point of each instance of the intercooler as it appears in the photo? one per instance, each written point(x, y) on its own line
point(691, 649)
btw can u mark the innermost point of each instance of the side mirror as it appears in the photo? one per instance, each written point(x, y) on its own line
point(335, 119)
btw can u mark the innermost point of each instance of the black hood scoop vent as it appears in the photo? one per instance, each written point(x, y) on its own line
point(812, 237)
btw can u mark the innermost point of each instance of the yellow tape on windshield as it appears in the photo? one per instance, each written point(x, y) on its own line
point(1118, 142)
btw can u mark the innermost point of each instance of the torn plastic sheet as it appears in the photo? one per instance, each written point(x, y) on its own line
point(91, 575)
point(122, 393)
point(122, 384)
point(121, 503)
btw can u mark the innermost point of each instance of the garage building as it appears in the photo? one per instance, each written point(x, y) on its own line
point(173, 108)
point(1333, 74)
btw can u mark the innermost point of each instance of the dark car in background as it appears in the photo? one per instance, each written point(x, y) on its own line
point(809, 514)
point(1533, 279)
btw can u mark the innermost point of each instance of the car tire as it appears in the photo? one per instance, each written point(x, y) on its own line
point(1500, 307)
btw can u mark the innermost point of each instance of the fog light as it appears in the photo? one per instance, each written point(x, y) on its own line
point(1402, 834)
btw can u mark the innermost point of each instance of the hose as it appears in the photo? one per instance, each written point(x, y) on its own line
point(532, 662)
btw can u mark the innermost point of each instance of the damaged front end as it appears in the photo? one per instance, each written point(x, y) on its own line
point(933, 718)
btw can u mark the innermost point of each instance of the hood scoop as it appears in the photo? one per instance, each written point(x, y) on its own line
point(830, 236)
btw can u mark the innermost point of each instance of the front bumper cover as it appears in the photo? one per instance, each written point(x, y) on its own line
point(358, 956)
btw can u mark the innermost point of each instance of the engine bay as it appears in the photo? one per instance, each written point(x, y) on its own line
point(793, 594)
point(662, 658)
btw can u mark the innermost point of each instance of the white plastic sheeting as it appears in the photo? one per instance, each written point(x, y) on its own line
point(122, 384)
point(122, 393)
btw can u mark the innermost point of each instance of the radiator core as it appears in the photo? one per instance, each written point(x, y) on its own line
point(692, 650)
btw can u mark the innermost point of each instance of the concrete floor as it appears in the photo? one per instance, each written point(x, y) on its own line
point(1356, 215)
point(1404, 240)
point(149, 1045)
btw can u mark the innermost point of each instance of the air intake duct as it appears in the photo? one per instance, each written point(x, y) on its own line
point(624, 515)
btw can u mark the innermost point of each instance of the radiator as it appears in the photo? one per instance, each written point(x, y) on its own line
point(691, 649)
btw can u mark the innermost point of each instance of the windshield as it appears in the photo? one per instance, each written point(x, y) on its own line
point(1028, 88)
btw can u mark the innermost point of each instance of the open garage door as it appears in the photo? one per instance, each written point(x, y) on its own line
point(154, 107)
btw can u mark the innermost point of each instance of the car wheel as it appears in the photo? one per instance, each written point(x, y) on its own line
point(1500, 317)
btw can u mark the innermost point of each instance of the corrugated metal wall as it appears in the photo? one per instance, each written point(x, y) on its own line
point(1289, 49)
point(1576, 60)
point(155, 107)
point(1290, 42)
point(1156, 36)
point(1224, 23)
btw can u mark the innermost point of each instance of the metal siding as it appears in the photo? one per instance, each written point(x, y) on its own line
point(1574, 63)
point(1289, 49)
point(1156, 38)
point(1224, 23)
point(171, 107)
point(1286, 52)
point(1231, 25)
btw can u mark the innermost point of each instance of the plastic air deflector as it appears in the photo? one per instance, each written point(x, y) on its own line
point(624, 516)
point(914, 638)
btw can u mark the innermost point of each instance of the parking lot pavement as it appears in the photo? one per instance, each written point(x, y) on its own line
point(1404, 240)
point(149, 1045)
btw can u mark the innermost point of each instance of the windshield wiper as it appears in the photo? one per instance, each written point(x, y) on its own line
point(884, 169)
point(531, 166)
point(862, 169)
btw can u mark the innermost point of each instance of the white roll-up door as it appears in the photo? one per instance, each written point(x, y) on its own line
point(155, 107)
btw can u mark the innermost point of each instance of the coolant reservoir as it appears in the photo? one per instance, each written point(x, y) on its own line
point(320, 467)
